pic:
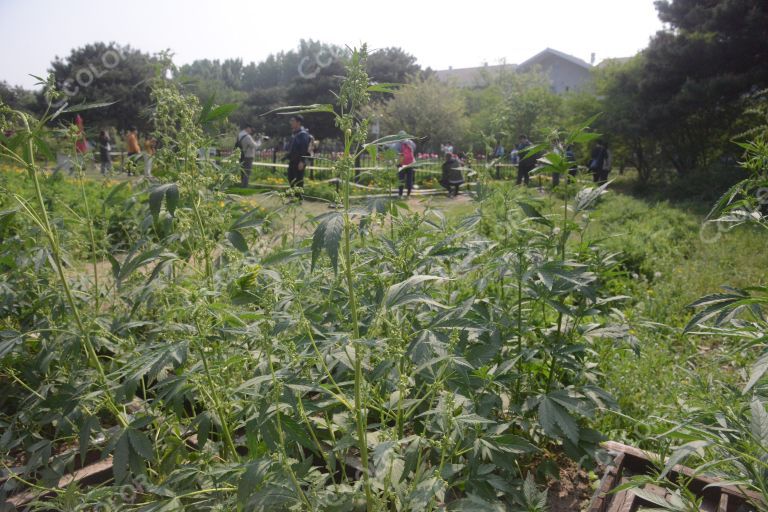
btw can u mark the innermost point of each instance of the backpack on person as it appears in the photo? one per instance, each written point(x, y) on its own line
point(406, 157)
point(239, 145)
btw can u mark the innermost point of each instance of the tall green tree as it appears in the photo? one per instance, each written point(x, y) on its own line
point(102, 72)
point(18, 98)
point(432, 110)
point(695, 76)
point(626, 121)
point(392, 65)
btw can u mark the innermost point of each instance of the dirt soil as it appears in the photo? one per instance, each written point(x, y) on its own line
point(573, 492)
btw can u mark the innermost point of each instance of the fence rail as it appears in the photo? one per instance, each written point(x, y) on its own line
point(425, 167)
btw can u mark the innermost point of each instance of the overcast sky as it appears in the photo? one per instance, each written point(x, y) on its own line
point(440, 34)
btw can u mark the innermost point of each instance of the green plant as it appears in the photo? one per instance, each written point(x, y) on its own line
point(728, 434)
point(433, 364)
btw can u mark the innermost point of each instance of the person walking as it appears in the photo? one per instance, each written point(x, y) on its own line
point(597, 162)
point(149, 155)
point(247, 147)
point(132, 149)
point(526, 162)
point(105, 146)
point(298, 151)
point(607, 163)
point(406, 148)
point(452, 178)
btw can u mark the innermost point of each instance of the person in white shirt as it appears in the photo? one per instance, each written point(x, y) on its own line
point(248, 148)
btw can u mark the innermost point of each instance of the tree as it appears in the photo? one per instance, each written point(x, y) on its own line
point(18, 98)
point(694, 77)
point(429, 109)
point(528, 106)
point(626, 120)
point(321, 67)
point(392, 65)
point(102, 72)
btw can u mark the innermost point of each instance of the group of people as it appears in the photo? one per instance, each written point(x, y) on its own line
point(599, 164)
point(451, 177)
point(298, 151)
point(133, 151)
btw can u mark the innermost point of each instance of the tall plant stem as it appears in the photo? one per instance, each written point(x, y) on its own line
point(360, 409)
point(53, 242)
point(94, 254)
point(230, 444)
point(203, 237)
point(553, 362)
point(519, 321)
point(280, 432)
point(565, 224)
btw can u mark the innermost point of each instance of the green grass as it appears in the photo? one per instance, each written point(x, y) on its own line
point(668, 265)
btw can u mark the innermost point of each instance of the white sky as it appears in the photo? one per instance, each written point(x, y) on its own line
point(440, 34)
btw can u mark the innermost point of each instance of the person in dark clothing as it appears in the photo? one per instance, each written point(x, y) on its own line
point(570, 157)
point(597, 162)
point(298, 151)
point(452, 177)
point(105, 146)
point(526, 162)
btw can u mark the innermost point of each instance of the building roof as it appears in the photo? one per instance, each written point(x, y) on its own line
point(549, 51)
point(466, 77)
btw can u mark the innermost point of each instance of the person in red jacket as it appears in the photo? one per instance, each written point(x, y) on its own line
point(405, 171)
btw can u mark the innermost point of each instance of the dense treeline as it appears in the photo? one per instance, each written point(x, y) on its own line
point(671, 111)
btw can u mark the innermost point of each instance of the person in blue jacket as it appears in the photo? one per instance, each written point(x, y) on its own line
point(298, 151)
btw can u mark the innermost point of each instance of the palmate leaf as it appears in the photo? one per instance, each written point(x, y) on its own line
point(389, 139)
point(532, 213)
point(586, 198)
point(169, 191)
point(252, 479)
point(682, 453)
point(655, 499)
point(140, 444)
point(424, 493)
point(535, 500)
point(120, 458)
point(327, 236)
point(217, 113)
point(88, 106)
point(474, 503)
point(272, 497)
point(301, 109)
point(89, 424)
point(759, 421)
point(725, 201)
point(9, 341)
point(136, 261)
point(405, 292)
point(580, 135)
point(237, 240)
point(723, 306)
point(556, 421)
point(759, 369)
